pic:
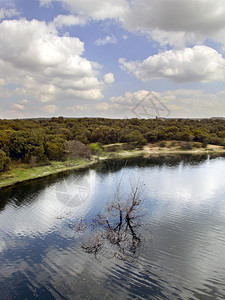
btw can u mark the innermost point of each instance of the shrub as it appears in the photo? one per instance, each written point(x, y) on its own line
point(129, 146)
point(4, 161)
point(186, 145)
point(112, 148)
point(173, 144)
point(162, 144)
point(96, 148)
point(75, 149)
point(204, 143)
point(197, 145)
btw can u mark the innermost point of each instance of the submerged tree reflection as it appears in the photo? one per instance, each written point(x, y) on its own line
point(117, 230)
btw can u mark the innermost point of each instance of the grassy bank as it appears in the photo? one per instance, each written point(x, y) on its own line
point(23, 172)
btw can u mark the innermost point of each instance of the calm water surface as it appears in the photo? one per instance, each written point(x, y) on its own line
point(182, 254)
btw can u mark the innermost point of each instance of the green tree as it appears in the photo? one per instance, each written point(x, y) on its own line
point(4, 161)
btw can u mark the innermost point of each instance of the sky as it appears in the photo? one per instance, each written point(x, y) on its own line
point(112, 58)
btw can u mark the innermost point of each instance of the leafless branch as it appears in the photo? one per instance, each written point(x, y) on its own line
point(119, 225)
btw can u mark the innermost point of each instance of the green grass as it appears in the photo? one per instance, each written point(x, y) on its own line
point(23, 172)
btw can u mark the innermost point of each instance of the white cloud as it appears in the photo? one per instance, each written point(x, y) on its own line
point(67, 20)
point(79, 108)
point(18, 106)
point(109, 78)
point(4, 92)
point(43, 65)
point(199, 63)
point(180, 103)
point(130, 98)
point(50, 109)
point(94, 108)
point(97, 10)
point(183, 103)
point(107, 40)
point(24, 101)
point(128, 66)
point(2, 81)
point(8, 13)
point(102, 106)
point(45, 2)
point(19, 109)
point(174, 22)
point(193, 20)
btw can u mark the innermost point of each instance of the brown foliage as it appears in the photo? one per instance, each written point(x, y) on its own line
point(76, 149)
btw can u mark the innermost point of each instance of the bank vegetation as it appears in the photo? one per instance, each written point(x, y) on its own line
point(33, 148)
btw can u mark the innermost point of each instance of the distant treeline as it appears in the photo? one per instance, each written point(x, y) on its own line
point(51, 139)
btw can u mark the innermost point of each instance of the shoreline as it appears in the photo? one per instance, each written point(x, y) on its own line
point(22, 174)
point(10, 181)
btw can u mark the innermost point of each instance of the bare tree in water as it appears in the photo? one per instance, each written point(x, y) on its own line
point(118, 236)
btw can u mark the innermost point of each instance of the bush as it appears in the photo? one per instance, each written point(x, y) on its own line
point(204, 143)
point(129, 146)
point(75, 149)
point(197, 145)
point(4, 161)
point(96, 148)
point(112, 148)
point(173, 144)
point(186, 145)
point(162, 144)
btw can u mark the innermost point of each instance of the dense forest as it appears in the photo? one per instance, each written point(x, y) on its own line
point(42, 140)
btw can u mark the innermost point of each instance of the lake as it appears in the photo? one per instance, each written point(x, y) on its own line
point(182, 233)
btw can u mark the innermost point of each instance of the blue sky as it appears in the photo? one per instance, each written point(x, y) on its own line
point(112, 58)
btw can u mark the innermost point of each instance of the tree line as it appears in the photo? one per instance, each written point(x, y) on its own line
point(53, 139)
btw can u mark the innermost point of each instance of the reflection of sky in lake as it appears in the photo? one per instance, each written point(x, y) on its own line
point(184, 210)
point(45, 210)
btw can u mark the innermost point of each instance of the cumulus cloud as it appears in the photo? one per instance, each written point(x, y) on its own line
point(199, 63)
point(18, 106)
point(8, 13)
point(90, 109)
point(107, 40)
point(174, 22)
point(50, 109)
point(182, 103)
point(109, 78)
point(17, 110)
point(96, 10)
point(129, 98)
point(67, 20)
point(4, 92)
point(24, 101)
point(192, 20)
point(43, 65)
point(102, 106)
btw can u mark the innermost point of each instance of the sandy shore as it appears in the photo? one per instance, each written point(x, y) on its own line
point(153, 149)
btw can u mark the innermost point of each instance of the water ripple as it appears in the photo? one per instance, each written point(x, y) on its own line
point(183, 236)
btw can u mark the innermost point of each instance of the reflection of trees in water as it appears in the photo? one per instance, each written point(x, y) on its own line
point(26, 192)
point(21, 194)
point(171, 160)
point(4, 199)
point(117, 234)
